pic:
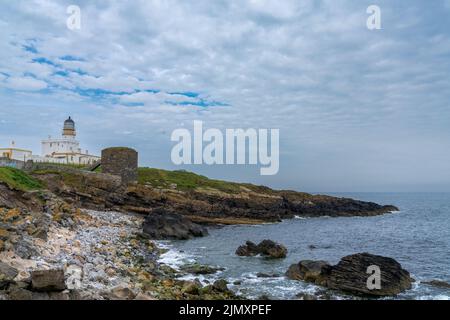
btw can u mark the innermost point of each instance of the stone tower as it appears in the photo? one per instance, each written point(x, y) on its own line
point(121, 162)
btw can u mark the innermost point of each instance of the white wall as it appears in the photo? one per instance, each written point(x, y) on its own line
point(60, 146)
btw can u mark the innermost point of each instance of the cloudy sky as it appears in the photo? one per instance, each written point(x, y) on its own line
point(357, 109)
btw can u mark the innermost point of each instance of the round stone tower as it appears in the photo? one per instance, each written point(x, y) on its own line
point(121, 162)
point(69, 128)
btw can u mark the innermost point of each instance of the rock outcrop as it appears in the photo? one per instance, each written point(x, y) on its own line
point(163, 224)
point(308, 270)
point(437, 283)
point(351, 275)
point(7, 275)
point(48, 280)
point(250, 204)
point(267, 248)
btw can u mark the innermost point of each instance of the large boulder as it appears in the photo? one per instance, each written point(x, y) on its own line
point(162, 224)
point(351, 275)
point(267, 248)
point(48, 280)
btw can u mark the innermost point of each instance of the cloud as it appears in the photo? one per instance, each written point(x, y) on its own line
point(310, 68)
point(24, 84)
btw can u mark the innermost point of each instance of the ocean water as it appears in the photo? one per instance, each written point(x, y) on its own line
point(418, 237)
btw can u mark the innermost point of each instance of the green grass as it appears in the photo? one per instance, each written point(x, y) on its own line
point(184, 180)
point(66, 165)
point(19, 180)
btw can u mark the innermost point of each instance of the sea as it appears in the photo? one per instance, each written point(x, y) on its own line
point(417, 236)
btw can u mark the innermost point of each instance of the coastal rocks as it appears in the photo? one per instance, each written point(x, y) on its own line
point(191, 287)
point(350, 275)
point(267, 275)
point(438, 284)
point(163, 224)
point(7, 275)
point(199, 269)
point(220, 285)
point(48, 280)
point(74, 275)
point(121, 293)
point(267, 248)
point(308, 270)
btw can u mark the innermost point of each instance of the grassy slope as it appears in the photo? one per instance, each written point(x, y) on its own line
point(19, 180)
point(185, 180)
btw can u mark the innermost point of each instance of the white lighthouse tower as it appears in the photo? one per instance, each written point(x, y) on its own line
point(66, 149)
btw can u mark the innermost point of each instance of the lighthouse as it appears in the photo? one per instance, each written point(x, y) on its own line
point(69, 131)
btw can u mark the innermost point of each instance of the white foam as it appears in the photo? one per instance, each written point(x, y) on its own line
point(173, 258)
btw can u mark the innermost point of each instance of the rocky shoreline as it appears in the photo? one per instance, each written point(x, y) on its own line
point(101, 256)
point(87, 236)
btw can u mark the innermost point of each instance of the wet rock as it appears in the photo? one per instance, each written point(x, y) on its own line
point(307, 270)
point(48, 280)
point(248, 250)
point(314, 247)
point(220, 285)
point(191, 287)
point(306, 296)
point(164, 224)
point(267, 248)
point(267, 275)
point(350, 275)
point(200, 269)
point(272, 249)
point(437, 284)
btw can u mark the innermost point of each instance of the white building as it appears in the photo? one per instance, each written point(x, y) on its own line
point(65, 150)
point(14, 153)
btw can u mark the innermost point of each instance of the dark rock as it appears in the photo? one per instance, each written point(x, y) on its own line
point(308, 270)
point(272, 249)
point(350, 275)
point(164, 224)
point(266, 248)
point(7, 275)
point(48, 280)
point(247, 250)
point(313, 247)
point(200, 269)
point(306, 296)
point(191, 287)
point(266, 275)
point(20, 294)
point(220, 285)
point(437, 284)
